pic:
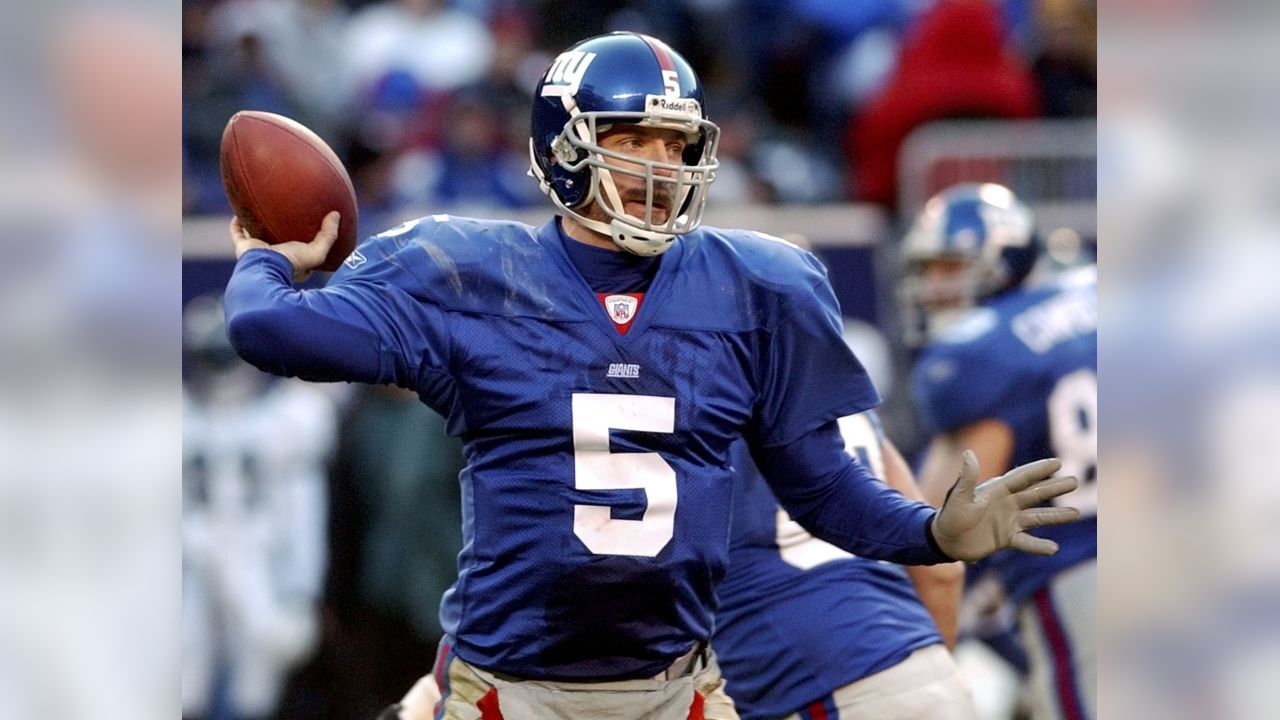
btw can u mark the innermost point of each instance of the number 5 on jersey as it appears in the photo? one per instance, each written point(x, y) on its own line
point(596, 468)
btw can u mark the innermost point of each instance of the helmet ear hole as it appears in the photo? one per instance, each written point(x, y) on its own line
point(563, 151)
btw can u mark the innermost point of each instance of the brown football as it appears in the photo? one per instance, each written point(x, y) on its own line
point(282, 179)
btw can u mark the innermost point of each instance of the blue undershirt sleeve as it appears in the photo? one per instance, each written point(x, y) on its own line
point(833, 496)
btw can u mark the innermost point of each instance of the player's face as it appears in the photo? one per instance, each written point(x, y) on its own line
point(644, 143)
point(945, 284)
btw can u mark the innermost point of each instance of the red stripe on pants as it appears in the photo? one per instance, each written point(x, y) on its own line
point(1061, 651)
point(488, 705)
point(695, 708)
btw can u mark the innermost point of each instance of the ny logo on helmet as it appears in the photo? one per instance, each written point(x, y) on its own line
point(565, 74)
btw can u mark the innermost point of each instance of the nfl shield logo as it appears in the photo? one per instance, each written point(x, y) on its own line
point(621, 308)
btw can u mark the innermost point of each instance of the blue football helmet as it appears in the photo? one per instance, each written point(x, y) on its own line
point(970, 242)
point(622, 78)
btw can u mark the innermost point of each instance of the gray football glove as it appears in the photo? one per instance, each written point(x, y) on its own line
point(975, 522)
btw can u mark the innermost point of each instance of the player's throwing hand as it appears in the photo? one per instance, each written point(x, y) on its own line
point(305, 257)
point(977, 520)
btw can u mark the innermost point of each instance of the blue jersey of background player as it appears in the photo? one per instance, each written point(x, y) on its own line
point(809, 629)
point(1014, 377)
point(598, 393)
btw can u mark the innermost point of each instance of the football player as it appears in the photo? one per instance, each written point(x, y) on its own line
point(1010, 371)
point(806, 630)
point(598, 370)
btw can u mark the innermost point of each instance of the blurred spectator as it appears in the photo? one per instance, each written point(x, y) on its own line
point(440, 47)
point(302, 41)
point(506, 92)
point(784, 50)
point(851, 54)
point(253, 508)
point(737, 182)
point(202, 192)
point(518, 62)
point(847, 21)
point(797, 169)
point(395, 532)
point(481, 153)
point(1021, 25)
point(398, 116)
point(953, 65)
point(760, 163)
point(1067, 65)
point(564, 22)
point(464, 166)
point(475, 167)
point(240, 76)
point(221, 75)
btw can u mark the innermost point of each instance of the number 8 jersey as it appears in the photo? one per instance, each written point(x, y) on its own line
point(597, 492)
point(1029, 358)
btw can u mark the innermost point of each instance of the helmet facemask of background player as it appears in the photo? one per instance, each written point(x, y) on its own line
point(604, 84)
point(970, 242)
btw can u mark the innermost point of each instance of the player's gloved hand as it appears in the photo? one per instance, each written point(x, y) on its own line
point(975, 522)
point(305, 257)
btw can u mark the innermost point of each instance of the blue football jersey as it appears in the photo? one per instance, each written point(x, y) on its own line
point(595, 519)
point(1030, 359)
point(799, 617)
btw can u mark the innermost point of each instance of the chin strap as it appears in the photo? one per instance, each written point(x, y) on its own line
point(640, 242)
point(633, 240)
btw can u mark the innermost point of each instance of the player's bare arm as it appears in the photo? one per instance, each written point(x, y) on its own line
point(991, 442)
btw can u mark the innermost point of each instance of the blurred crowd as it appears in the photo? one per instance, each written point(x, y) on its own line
point(427, 100)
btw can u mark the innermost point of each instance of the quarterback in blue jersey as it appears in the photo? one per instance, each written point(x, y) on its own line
point(1010, 370)
point(598, 369)
point(806, 630)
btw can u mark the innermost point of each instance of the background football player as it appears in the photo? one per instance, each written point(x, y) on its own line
point(807, 630)
point(1010, 371)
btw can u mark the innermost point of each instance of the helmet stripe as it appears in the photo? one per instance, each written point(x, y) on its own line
point(661, 52)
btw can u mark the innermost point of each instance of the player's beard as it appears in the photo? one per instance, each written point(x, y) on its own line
point(662, 202)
